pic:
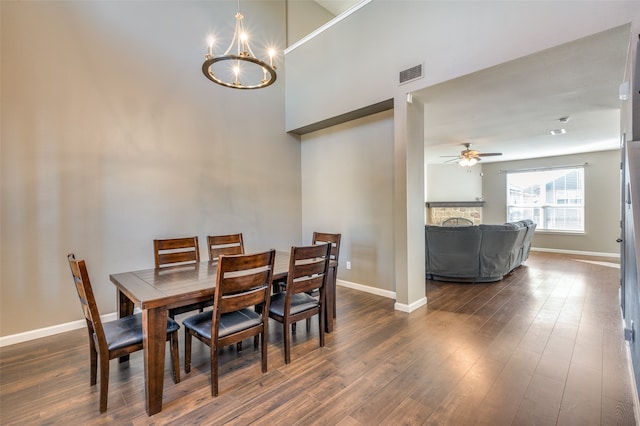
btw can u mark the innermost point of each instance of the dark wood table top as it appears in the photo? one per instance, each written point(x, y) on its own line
point(179, 285)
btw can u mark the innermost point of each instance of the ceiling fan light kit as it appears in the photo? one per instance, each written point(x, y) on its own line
point(469, 157)
point(468, 162)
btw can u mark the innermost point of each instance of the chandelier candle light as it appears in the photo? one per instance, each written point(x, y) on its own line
point(244, 64)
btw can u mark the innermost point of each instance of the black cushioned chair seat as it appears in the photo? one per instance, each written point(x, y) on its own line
point(299, 302)
point(127, 331)
point(230, 323)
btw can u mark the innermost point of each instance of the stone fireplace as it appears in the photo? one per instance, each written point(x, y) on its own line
point(439, 211)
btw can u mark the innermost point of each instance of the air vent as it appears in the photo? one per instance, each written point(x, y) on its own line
point(410, 74)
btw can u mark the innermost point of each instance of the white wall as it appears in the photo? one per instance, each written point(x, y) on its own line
point(602, 200)
point(347, 175)
point(451, 182)
point(111, 137)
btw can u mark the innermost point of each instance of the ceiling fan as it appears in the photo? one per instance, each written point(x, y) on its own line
point(469, 157)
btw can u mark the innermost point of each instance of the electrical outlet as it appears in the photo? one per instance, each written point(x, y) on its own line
point(348, 264)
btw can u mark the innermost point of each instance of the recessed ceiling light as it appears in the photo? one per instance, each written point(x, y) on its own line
point(558, 132)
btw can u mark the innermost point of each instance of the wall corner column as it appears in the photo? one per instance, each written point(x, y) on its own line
point(408, 151)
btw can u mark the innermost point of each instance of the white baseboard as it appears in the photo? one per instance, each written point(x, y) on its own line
point(577, 252)
point(384, 293)
point(367, 289)
point(410, 308)
point(49, 331)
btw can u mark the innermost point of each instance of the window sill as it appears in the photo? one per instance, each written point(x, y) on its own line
point(556, 232)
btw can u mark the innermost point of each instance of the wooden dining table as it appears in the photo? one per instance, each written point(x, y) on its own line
point(156, 290)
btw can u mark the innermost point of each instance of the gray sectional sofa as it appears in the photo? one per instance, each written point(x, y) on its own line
point(482, 253)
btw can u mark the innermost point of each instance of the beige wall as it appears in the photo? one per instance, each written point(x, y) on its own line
point(347, 175)
point(602, 200)
point(111, 137)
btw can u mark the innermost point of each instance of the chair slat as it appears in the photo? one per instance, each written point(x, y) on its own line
point(309, 284)
point(176, 243)
point(246, 282)
point(239, 301)
point(179, 257)
point(307, 269)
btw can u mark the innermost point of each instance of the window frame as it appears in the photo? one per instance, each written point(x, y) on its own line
point(541, 209)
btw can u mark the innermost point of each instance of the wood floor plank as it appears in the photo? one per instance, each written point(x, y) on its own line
point(541, 402)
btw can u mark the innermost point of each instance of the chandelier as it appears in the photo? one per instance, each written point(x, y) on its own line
point(238, 67)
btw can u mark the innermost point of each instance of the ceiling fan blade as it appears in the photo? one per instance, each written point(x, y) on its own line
point(445, 156)
point(488, 154)
point(452, 160)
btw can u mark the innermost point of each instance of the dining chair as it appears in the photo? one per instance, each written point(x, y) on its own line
point(334, 240)
point(308, 270)
point(224, 244)
point(178, 252)
point(113, 339)
point(243, 281)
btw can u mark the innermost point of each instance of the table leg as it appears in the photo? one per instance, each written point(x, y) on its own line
point(154, 335)
point(335, 291)
point(125, 308)
point(330, 293)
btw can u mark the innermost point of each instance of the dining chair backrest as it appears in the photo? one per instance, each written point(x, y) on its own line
point(224, 244)
point(307, 271)
point(176, 251)
point(87, 299)
point(243, 281)
point(333, 239)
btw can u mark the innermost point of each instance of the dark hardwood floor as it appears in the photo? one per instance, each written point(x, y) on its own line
point(544, 346)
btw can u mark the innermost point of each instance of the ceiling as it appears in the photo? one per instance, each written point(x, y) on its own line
point(512, 107)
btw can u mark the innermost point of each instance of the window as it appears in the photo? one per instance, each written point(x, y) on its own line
point(552, 198)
